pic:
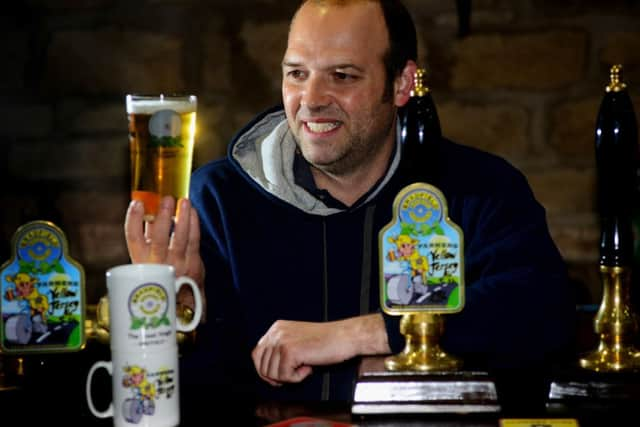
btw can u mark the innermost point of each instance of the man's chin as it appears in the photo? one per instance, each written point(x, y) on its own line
point(315, 157)
point(320, 164)
point(330, 168)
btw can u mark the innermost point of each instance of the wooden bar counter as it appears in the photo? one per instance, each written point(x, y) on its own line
point(52, 389)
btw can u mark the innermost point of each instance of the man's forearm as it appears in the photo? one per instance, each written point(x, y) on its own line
point(368, 333)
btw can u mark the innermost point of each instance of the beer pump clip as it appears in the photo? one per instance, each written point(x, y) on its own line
point(421, 276)
point(42, 294)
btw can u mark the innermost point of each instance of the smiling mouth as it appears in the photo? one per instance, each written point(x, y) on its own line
point(322, 127)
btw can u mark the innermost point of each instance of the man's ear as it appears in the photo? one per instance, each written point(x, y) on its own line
point(403, 84)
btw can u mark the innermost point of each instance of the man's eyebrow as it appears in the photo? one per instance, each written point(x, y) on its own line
point(346, 65)
point(340, 66)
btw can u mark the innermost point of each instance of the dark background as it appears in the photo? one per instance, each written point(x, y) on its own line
point(523, 80)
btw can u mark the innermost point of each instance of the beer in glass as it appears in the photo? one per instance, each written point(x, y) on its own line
point(161, 138)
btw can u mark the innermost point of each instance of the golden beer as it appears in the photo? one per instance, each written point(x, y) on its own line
point(161, 137)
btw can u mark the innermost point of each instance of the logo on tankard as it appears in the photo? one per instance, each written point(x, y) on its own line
point(148, 306)
point(146, 387)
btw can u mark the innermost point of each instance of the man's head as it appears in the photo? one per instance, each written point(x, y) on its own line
point(403, 42)
point(349, 64)
point(401, 33)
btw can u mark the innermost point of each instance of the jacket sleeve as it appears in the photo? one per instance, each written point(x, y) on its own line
point(519, 308)
point(218, 355)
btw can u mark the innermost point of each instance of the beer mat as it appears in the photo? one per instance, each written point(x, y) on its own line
point(309, 422)
point(539, 422)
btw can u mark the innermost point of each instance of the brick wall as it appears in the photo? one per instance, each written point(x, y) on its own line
point(526, 84)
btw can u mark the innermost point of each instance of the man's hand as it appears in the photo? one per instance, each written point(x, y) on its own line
point(289, 349)
point(154, 242)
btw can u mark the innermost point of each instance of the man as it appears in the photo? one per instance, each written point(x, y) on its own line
point(288, 223)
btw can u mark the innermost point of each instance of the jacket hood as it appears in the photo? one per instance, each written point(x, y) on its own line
point(264, 151)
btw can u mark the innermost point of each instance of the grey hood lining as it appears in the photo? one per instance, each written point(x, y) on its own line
point(266, 152)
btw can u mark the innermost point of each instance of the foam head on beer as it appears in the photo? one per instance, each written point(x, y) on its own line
point(161, 138)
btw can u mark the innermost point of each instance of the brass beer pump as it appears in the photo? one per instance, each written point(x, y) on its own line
point(412, 287)
point(419, 122)
point(421, 259)
point(615, 323)
point(419, 131)
point(422, 350)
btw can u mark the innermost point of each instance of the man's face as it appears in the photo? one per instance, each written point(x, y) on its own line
point(333, 85)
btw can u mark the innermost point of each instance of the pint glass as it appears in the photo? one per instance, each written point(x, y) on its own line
point(161, 138)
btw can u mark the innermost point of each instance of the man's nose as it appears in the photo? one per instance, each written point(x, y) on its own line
point(316, 93)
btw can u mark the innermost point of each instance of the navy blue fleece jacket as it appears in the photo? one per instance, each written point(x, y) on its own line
point(272, 251)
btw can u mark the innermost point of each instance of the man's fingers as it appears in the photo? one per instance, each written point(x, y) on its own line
point(301, 373)
point(261, 356)
point(179, 239)
point(263, 362)
point(288, 368)
point(193, 243)
point(276, 364)
point(274, 368)
point(134, 231)
point(271, 382)
point(257, 355)
point(195, 266)
point(158, 232)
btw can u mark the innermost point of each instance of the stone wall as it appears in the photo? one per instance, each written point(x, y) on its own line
point(525, 83)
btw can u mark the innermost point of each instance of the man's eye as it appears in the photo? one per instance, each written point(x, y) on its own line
point(341, 76)
point(296, 74)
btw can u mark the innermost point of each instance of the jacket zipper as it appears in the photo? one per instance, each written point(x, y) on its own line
point(326, 377)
